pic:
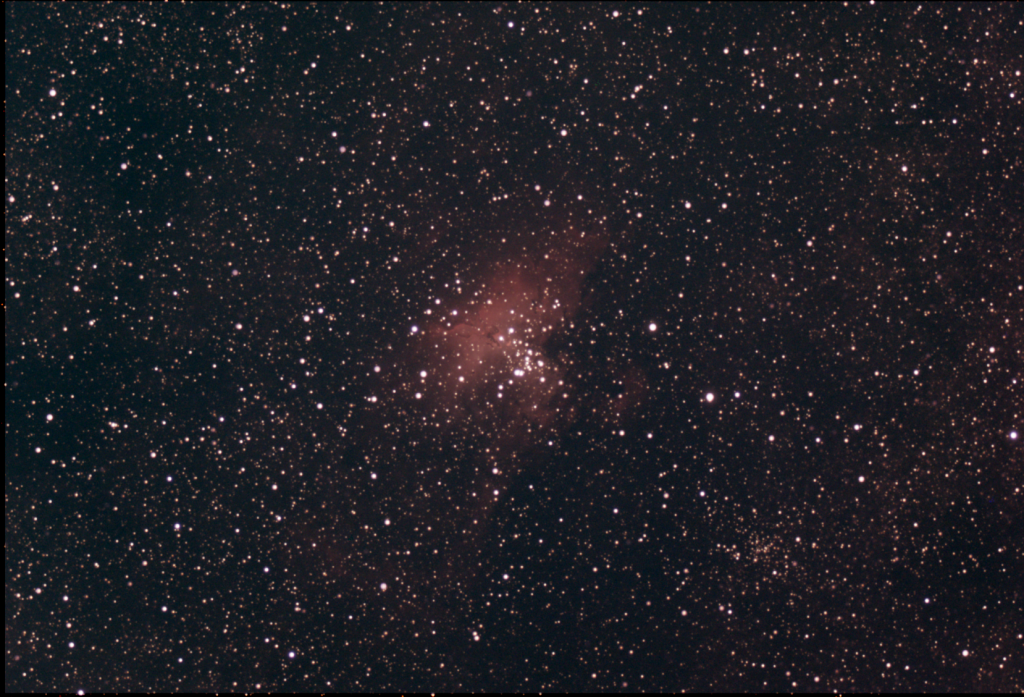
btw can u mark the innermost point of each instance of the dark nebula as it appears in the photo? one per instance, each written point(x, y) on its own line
point(551, 347)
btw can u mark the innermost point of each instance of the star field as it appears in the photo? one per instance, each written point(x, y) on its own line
point(432, 347)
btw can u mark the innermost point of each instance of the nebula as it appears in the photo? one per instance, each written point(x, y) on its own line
point(479, 393)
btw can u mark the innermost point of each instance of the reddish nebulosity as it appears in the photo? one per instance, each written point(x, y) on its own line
point(489, 386)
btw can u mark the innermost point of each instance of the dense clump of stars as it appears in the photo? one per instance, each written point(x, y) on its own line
point(499, 347)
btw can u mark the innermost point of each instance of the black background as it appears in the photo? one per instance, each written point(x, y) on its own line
point(850, 521)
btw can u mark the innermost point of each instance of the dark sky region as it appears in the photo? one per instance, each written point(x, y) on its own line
point(606, 347)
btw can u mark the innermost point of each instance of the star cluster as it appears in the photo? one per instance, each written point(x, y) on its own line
point(513, 347)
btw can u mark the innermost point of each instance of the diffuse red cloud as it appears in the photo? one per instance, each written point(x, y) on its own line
point(492, 341)
point(494, 346)
point(474, 397)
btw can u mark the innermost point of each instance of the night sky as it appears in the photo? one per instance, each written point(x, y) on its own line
point(514, 347)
